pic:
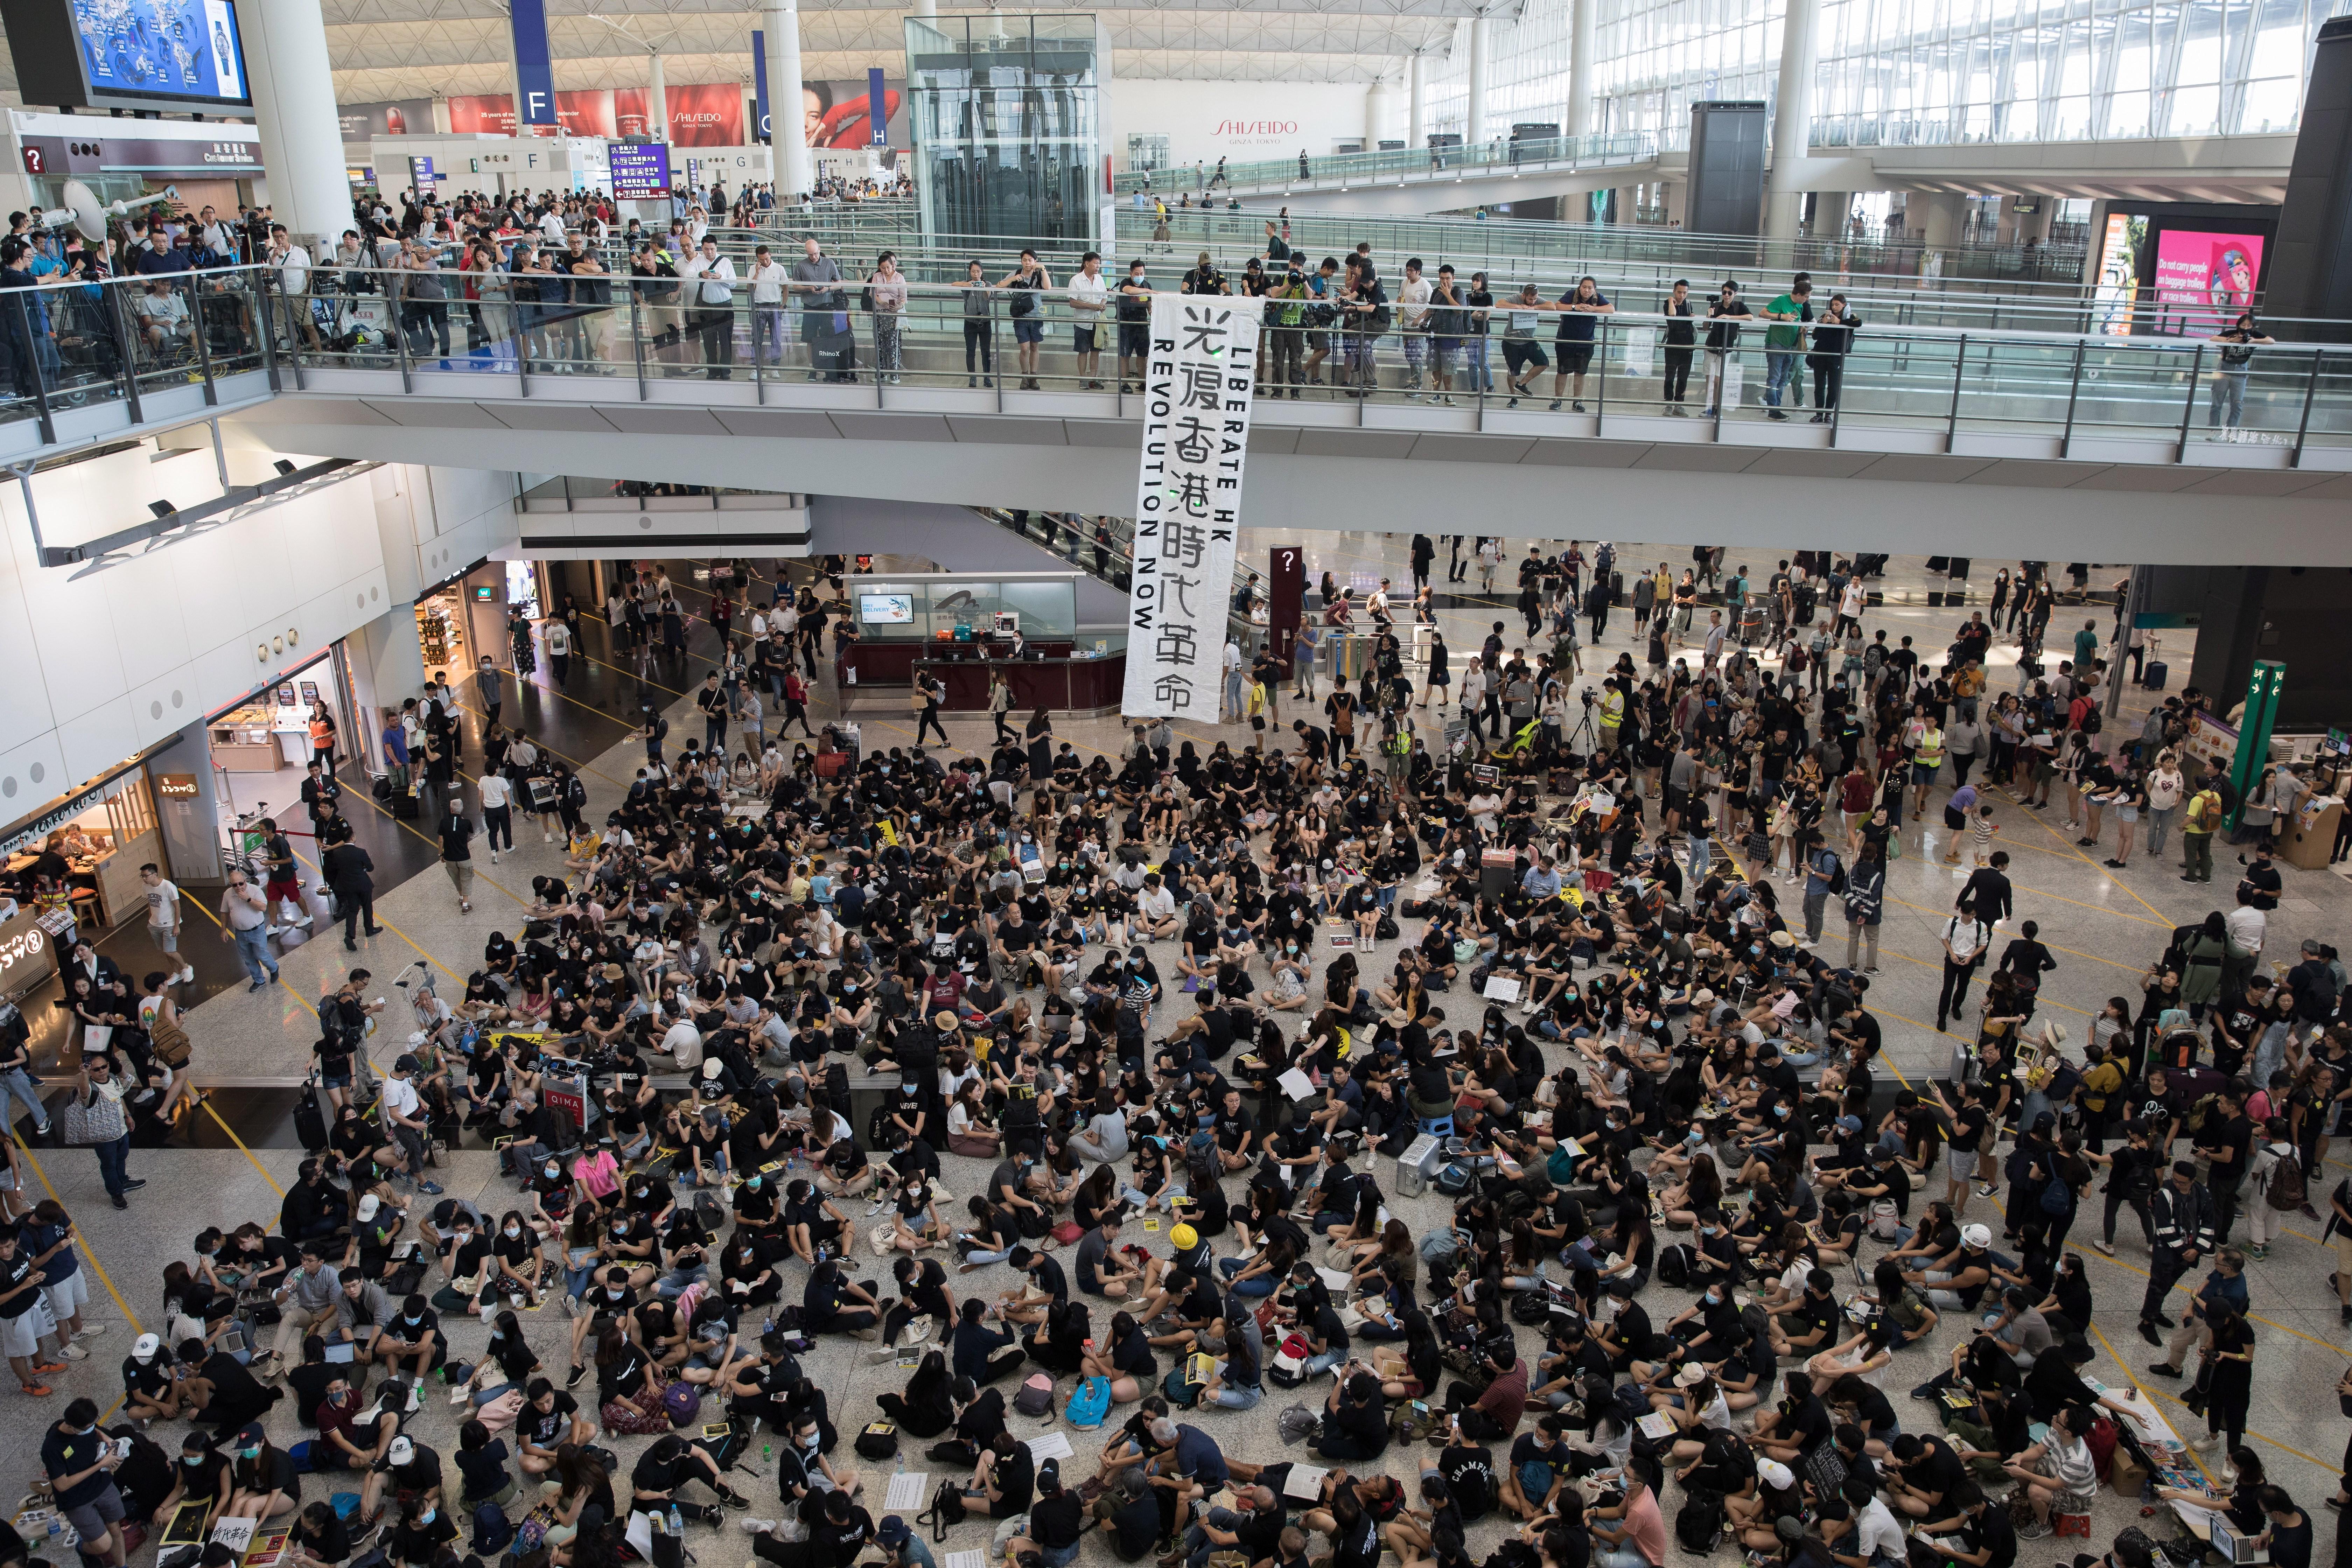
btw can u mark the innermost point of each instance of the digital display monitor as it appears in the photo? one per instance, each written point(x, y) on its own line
point(2206, 278)
point(130, 54)
point(886, 609)
point(640, 169)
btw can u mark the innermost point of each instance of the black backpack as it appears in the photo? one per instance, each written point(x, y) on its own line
point(1699, 1525)
point(1674, 1264)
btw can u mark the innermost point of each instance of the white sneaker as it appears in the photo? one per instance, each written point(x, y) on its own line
point(187, 974)
point(493, 857)
point(302, 920)
point(756, 1526)
point(74, 1353)
point(415, 1400)
point(90, 1330)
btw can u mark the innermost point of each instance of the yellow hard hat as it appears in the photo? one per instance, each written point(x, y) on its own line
point(1185, 1237)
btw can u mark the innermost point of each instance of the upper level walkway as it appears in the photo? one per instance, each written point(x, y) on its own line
point(1924, 425)
point(1419, 179)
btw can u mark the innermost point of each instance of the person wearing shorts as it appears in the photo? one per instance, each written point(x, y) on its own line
point(22, 1321)
point(81, 1462)
point(1521, 353)
point(1577, 308)
point(284, 881)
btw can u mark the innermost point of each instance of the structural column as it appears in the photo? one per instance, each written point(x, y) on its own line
point(294, 108)
point(1580, 71)
point(1945, 215)
point(786, 114)
point(1792, 120)
point(1474, 125)
point(1376, 112)
point(656, 100)
point(1415, 133)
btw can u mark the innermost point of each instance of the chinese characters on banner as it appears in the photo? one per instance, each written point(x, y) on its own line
point(1198, 380)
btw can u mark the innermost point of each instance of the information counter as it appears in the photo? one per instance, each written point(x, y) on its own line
point(1070, 685)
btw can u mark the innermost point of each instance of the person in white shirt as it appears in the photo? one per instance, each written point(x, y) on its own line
point(1089, 296)
point(710, 294)
point(772, 331)
point(551, 224)
point(1155, 908)
point(292, 263)
point(498, 810)
point(163, 920)
point(1233, 666)
point(1414, 302)
point(1965, 937)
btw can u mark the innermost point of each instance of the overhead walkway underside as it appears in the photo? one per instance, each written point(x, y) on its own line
point(2020, 491)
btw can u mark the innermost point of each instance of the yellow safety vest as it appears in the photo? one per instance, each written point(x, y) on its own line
point(1931, 748)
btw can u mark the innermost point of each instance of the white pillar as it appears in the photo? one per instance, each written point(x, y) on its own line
point(1376, 113)
point(1473, 126)
point(1580, 71)
point(1792, 120)
point(656, 100)
point(788, 132)
point(294, 108)
point(1415, 133)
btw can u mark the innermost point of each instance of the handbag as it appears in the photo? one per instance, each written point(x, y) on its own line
point(87, 1126)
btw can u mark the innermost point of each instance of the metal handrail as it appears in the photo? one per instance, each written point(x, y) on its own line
point(2084, 387)
point(1606, 147)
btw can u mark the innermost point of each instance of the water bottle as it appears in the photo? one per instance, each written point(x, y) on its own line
point(901, 1469)
point(767, 1453)
point(676, 1521)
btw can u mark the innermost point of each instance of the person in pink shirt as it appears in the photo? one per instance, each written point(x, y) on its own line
point(598, 1175)
point(1633, 1532)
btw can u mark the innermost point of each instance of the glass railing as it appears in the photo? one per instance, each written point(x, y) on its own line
point(1101, 547)
point(170, 345)
point(1343, 168)
point(1624, 253)
point(825, 349)
point(169, 338)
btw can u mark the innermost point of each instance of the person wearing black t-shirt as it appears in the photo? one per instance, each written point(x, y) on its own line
point(1006, 1478)
point(1355, 1424)
point(1681, 340)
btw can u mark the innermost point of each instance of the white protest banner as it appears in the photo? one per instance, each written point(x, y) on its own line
point(1199, 379)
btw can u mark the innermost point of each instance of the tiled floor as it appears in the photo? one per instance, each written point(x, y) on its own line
point(2105, 925)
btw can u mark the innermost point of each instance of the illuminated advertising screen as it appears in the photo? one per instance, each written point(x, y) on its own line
point(886, 609)
point(158, 51)
point(2206, 278)
point(640, 171)
point(2116, 286)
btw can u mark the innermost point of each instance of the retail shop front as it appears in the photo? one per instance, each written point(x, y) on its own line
point(72, 866)
point(260, 747)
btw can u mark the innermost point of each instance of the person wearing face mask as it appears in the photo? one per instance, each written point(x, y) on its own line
point(412, 1342)
point(201, 1476)
point(423, 1529)
point(263, 1481)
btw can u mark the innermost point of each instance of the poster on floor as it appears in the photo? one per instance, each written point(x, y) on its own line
point(1200, 370)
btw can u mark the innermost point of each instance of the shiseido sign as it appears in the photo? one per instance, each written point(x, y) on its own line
point(1248, 130)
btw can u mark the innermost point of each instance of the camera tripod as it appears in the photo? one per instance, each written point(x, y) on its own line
point(1583, 733)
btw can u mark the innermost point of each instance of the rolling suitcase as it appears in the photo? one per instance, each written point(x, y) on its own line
point(1616, 589)
point(310, 1122)
point(2153, 679)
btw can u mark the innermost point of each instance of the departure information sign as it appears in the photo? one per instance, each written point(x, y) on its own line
point(640, 169)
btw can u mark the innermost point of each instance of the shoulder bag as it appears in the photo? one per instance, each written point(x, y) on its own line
point(87, 1125)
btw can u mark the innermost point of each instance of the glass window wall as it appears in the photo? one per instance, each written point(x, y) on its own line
point(1007, 127)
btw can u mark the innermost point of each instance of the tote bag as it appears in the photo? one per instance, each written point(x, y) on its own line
point(87, 1126)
